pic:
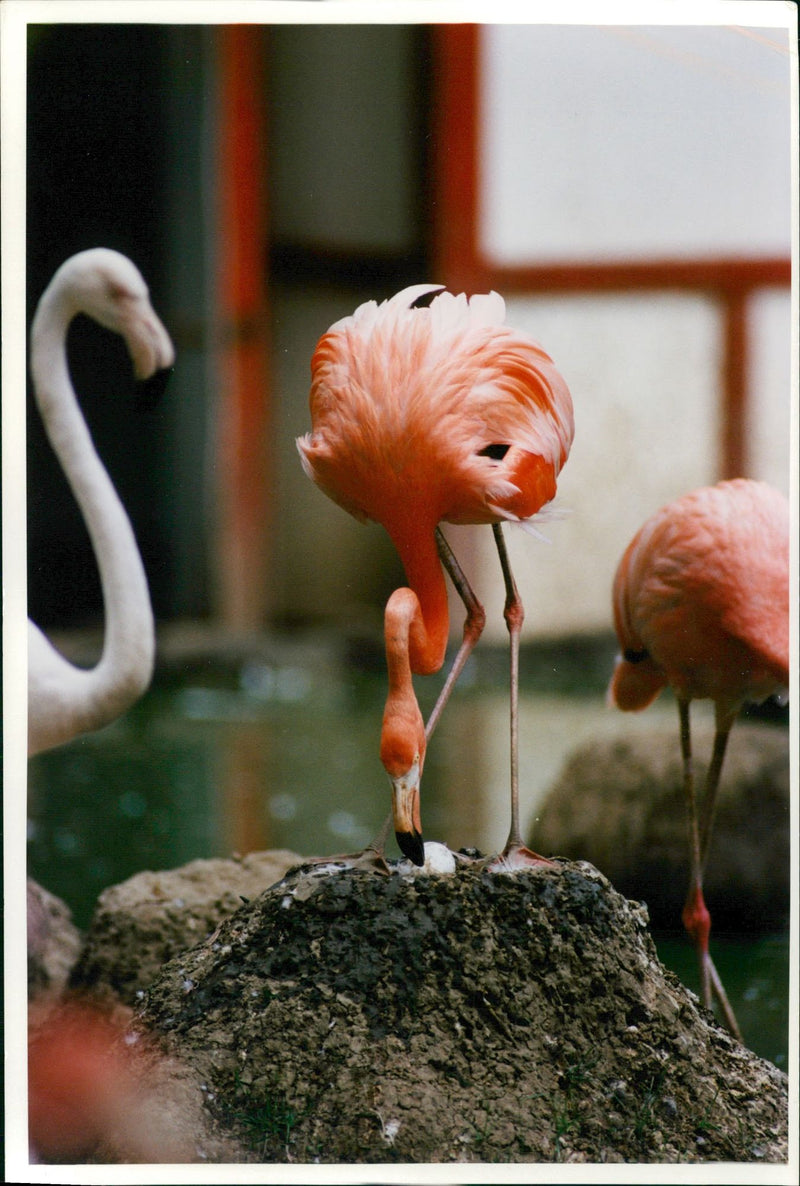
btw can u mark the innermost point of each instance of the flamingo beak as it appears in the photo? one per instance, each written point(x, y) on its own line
point(149, 344)
point(405, 809)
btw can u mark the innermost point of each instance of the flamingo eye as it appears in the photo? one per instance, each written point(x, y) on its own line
point(496, 452)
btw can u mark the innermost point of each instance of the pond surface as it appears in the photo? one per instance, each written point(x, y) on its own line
point(283, 753)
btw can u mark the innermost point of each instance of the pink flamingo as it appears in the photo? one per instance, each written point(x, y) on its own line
point(428, 408)
point(701, 603)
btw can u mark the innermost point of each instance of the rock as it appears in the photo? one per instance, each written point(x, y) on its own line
point(141, 923)
point(349, 1016)
point(619, 804)
point(54, 942)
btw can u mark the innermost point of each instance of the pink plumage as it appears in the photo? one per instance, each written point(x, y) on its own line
point(701, 599)
point(406, 400)
point(427, 408)
point(701, 603)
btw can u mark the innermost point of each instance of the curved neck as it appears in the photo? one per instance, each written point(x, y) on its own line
point(402, 611)
point(126, 664)
point(428, 631)
point(403, 730)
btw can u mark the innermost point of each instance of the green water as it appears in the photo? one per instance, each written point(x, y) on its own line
point(283, 754)
point(755, 972)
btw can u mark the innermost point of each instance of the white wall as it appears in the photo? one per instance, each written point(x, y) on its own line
point(642, 373)
point(633, 144)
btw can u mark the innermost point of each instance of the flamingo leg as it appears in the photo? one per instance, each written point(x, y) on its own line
point(515, 854)
point(473, 626)
point(696, 918)
point(712, 782)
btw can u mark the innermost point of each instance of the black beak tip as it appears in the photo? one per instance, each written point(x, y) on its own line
point(412, 846)
point(149, 392)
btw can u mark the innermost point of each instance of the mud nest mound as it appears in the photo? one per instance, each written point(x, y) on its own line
point(349, 1016)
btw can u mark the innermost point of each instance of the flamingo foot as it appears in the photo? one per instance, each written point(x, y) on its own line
point(515, 857)
point(371, 859)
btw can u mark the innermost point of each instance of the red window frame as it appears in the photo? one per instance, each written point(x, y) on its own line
point(460, 263)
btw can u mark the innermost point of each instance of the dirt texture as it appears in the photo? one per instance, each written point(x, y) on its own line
point(141, 923)
point(620, 805)
point(353, 1016)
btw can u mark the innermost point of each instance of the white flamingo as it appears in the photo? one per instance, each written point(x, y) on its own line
point(64, 700)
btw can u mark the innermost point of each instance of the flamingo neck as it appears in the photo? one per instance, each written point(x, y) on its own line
point(403, 732)
point(126, 664)
point(402, 610)
point(428, 630)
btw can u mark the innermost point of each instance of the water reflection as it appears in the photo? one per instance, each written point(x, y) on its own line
point(285, 756)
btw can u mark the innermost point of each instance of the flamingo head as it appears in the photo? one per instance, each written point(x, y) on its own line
point(405, 809)
point(109, 288)
point(403, 754)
